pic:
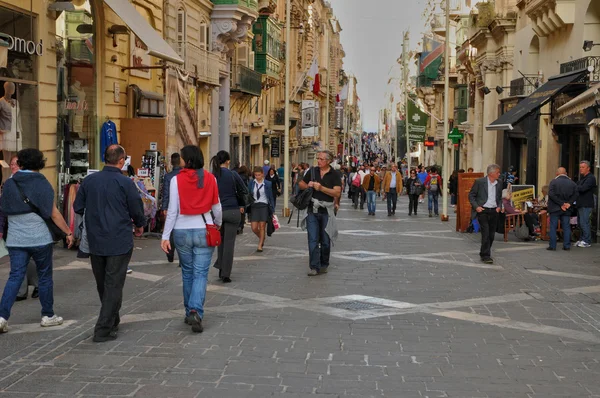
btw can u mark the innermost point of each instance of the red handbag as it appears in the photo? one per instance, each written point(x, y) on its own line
point(213, 235)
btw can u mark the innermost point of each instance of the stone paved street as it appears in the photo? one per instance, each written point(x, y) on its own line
point(407, 310)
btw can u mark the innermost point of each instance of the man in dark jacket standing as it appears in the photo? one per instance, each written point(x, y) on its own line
point(561, 196)
point(586, 187)
point(110, 201)
point(175, 169)
point(486, 200)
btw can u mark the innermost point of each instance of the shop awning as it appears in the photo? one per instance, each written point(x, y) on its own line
point(594, 128)
point(554, 86)
point(581, 102)
point(157, 47)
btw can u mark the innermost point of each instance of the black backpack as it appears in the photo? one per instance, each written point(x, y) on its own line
point(303, 199)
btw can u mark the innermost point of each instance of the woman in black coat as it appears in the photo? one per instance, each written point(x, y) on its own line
point(274, 178)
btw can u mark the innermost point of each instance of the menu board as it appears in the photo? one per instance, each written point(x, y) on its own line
point(463, 206)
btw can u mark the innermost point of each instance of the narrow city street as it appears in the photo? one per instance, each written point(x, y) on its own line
point(406, 310)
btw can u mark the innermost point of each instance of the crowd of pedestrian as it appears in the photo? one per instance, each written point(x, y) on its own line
point(206, 208)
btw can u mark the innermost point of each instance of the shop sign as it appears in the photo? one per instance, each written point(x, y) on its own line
point(139, 58)
point(23, 46)
point(274, 147)
point(339, 116)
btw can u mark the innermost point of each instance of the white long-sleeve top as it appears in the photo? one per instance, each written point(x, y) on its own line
point(175, 220)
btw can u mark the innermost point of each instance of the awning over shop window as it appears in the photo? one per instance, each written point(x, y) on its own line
point(550, 89)
point(594, 127)
point(581, 102)
point(157, 47)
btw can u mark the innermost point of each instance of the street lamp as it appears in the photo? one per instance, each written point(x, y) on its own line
point(589, 44)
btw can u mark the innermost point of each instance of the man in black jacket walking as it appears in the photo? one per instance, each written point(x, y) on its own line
point(486, 199)
point(585, 203)
point(561, 196)
point(110, 201)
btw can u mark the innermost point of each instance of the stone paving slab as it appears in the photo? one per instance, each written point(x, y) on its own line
point(406, 310)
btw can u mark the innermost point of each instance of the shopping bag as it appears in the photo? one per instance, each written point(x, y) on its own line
point(275, 222)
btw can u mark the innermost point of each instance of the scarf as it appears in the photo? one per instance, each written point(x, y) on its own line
point(197, 191)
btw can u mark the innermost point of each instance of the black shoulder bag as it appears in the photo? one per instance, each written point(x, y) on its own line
point(243, 195)
point(56, 233)
point(304, 198)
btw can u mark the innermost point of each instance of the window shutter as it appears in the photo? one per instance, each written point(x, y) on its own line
point(242, 55)
point(250, 59)
point(203, 36)
point(181, 36)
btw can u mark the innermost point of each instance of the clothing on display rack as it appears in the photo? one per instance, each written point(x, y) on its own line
point(108, 136)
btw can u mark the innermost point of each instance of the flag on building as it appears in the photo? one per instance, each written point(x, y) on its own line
point(316, 89)
point(417, 123)
point(312, 76)
point(431, 57)
point(343, 94)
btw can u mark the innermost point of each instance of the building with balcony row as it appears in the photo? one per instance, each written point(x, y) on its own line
point(167, 73)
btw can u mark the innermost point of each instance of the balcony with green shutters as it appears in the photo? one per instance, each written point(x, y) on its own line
point(250, 4)
point(267, 46)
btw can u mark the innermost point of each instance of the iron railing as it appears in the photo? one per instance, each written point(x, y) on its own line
point(251, 4)
point(525, 86)
point(583, 63)
point(246, 80)
point(204, 64)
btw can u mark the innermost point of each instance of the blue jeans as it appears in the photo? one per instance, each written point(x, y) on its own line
point(392, 199)
point(433, 202)
point(371, 201)
point(19, 258)
point(194, 258)
point(319, 244)
point(583, 219)
point(566, 227)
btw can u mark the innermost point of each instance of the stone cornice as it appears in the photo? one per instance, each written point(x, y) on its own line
point(549, 16)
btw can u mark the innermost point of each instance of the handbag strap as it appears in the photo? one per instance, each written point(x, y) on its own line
point(213, 217)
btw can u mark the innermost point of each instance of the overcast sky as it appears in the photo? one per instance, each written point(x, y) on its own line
point(372, 40)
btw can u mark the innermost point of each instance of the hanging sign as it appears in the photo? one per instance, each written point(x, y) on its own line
point(275, 147)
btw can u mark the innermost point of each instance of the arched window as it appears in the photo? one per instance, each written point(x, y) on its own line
point(534, 55)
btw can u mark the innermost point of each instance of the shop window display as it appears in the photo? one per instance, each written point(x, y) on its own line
point(18, 91)
point(76, 92)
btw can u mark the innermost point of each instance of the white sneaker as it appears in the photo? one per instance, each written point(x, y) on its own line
point(129, 270)
point(3, 325)
point(53, 321)
point(584, 244)
point(576, 244)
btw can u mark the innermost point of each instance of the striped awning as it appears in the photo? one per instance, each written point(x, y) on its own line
point(583, 101)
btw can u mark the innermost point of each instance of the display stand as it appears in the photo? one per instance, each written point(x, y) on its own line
point(463, 206)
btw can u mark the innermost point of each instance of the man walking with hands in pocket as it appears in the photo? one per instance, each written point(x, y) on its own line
point(486, 199)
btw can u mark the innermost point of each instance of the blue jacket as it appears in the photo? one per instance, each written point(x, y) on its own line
point(108, 136)
point(268, 189)
point(166, 184)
